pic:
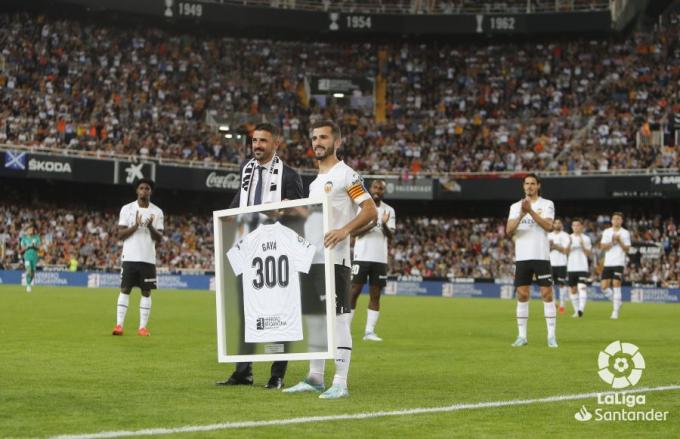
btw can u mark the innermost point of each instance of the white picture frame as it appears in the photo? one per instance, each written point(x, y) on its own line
point(224, 286)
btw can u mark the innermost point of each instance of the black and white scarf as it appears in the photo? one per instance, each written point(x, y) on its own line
point(271, 181)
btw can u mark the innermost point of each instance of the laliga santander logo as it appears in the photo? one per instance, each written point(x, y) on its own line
point(620, 365)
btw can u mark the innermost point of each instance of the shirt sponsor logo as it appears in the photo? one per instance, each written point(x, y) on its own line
point(272, 322)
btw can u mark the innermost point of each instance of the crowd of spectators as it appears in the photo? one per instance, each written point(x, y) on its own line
point(479, 248)
point(443, 247)
point(474, 107)
point(90, 236)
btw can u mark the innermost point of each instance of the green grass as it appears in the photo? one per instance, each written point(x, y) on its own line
point(61, 372)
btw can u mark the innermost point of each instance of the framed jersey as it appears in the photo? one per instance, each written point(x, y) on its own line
point(274, 281)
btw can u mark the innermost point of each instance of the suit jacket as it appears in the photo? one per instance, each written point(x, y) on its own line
point(290, 181)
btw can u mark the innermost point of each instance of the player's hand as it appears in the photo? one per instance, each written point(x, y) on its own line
point(526, 205)
point(149, 221)
point(385, 217)
point(332, 238)
point(138, 220)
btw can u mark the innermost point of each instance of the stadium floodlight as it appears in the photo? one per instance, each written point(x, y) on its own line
point(223, 128)
point(228, 136)
point(338, 95)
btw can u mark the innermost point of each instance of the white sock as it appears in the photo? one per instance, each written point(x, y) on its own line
point(371, 320)
point(316, 371)
point(582, 296)
point(574, 301)
point(343, 357)
point(144, 311)
point(316, 330)
point(563, 295)
point(522, 317)
point(121, 308)
point(550, 320)
point(617, 299)
point(608, 293)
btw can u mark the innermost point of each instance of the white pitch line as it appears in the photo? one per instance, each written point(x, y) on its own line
point(365, 415)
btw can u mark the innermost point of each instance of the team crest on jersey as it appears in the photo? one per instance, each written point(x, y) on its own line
point(328, 187)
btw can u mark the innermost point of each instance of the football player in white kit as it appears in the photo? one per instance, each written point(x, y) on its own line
point(370, 258)
point(346, 193)
point(559, 249)
point(529, 222)
point(615, 242)
point(140, 225)
point(578, 272)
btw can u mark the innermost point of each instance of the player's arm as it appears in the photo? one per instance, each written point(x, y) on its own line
point(587, 249)
point(514, 219)
point(567, 249)
point(361, 231)
point(368, 214)
point(155, 234)
point(124, 232)
point(625, 244)
point(564, 250)
point(560, 249)
point(606, 245)
point(545, 223)
point(388, 225)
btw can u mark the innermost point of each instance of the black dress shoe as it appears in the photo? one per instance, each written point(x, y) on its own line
point(236, 380)
point(275, 383)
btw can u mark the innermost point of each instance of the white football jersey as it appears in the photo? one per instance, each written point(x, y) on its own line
point(557, 258)
point(578, 261)
point(270, 259)
point(531, 241)
point(345, 191)
point(615, 256)
point(140, 247)
point(372, 246)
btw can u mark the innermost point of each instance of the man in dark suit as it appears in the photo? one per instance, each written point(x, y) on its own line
point(264, 179)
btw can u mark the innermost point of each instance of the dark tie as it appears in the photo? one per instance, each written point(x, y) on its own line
point(258, 187)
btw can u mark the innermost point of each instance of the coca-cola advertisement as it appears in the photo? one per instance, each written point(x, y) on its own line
point(221, 180)
point(196, 179)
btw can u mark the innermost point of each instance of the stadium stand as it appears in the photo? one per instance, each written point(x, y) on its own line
point(423, 246)
point(560, 106)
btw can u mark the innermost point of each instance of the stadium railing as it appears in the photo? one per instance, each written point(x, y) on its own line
point(104, 155)
point(447, 8)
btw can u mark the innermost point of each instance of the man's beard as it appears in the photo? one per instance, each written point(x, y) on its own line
point(327, 153)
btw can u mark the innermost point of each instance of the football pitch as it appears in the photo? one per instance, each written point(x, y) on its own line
point(444, 369)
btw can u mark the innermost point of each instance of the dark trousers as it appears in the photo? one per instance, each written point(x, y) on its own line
point(278, 369)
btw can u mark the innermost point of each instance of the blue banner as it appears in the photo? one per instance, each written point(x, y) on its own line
point(105, 280)
point(415, 287)
point(491, 290)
